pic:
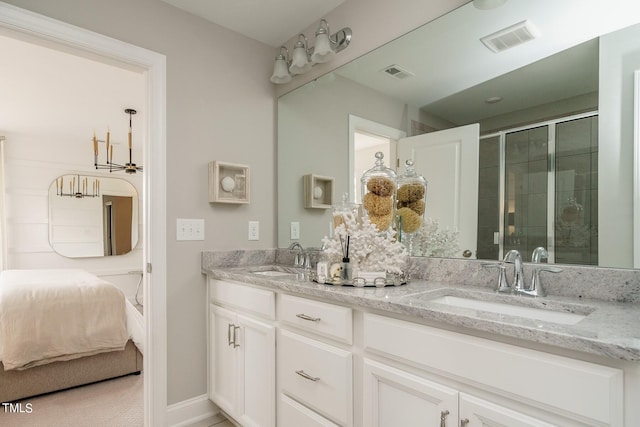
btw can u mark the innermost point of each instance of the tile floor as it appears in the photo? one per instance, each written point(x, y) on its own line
point(213, 422)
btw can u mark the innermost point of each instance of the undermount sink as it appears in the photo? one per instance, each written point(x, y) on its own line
point(543, 314)
point(273, 273)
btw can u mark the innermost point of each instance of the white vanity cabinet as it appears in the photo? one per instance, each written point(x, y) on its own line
point(277, 359)
point(395, 397)
point(241, 351)
point(451, 379)
point(315, 386)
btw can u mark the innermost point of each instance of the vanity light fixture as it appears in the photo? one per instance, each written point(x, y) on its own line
point(304, 57)
point(78, 188)
point(129, 167)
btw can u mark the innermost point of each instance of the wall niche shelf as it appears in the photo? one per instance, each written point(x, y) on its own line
point(228, 182)
point(318, 192)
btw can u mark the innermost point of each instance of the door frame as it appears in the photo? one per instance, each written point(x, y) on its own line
point(368, 126)
point(21, 22)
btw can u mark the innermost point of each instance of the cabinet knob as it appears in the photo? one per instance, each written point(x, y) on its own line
point(464, 422)
point(443, 418)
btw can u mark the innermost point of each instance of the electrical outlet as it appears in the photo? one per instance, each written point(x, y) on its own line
point(189, 229)
point(254, 230)
point(295, 230)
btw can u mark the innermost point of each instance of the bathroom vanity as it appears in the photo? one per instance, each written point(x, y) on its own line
point(286, 351)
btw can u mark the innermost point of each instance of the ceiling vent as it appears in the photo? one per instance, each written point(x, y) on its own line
point(397, 72)
point(509, 37)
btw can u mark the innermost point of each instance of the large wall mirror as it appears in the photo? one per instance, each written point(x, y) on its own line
point(555, 154)
point(92, 216)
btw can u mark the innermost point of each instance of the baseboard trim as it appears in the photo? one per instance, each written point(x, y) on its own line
point(191, 411)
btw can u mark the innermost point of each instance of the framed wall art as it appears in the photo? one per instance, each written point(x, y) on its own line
point(318, 191)
point(228, 182)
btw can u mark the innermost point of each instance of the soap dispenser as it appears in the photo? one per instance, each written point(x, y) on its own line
point(379, 194)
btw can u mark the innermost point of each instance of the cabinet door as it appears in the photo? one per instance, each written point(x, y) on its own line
point(256, 347)
point(475, 412)
point(223, 367)
point(396, 398)
point(293, 414)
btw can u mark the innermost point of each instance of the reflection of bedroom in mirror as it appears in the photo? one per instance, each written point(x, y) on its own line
point(93, 225)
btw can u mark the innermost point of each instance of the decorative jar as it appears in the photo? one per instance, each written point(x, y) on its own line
point(411, 196)
point(379, 194)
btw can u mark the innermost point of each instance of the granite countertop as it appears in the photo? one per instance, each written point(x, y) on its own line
point(610, 329)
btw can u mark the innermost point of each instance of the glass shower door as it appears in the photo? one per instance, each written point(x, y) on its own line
point(526, 189)
point(538, 186)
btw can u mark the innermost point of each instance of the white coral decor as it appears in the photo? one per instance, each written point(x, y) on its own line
point(369, 249)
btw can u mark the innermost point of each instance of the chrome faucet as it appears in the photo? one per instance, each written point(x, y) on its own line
point(513, 257)
point(519, 286)
point(299, 260)
point(535, 288)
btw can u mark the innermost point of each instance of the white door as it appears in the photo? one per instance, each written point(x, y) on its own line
point(476, 412)
point(256, 346)
point(223, 363)
point(448, 159)
point(396, 398)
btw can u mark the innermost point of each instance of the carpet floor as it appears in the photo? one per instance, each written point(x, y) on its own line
point(113, 403)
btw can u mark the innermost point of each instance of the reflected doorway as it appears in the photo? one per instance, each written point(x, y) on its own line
point(367, 137)
point(117, 211)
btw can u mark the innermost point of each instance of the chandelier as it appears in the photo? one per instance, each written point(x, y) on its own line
point(78, 188)
point(129, 167)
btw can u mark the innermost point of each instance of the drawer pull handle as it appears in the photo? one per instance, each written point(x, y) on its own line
point(303, 374)
point(307, 317)
point(235, 336)
point(443, 418)
point(229, 329)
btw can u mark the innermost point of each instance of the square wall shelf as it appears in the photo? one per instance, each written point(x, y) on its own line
point(318, 192)
point(228, 182)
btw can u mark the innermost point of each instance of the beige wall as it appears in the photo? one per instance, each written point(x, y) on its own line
point(220, 106)
point(619, 58)
point(314, 140)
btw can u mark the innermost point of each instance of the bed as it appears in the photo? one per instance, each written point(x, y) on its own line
point(62, 328)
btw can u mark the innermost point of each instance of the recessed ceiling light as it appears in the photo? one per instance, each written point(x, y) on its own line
point(493, 99)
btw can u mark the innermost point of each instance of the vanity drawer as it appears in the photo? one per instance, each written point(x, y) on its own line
point(257, 301)
point(293, 414)
point(324, 319)
point(317, 375)
point(550, 379)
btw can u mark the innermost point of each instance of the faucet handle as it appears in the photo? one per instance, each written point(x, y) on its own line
point(503, 282)
point(535, 288)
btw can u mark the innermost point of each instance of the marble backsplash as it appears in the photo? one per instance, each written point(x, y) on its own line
point(607, 284)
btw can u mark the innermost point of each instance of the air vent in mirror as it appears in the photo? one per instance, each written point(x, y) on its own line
point(397, 72)
point(509, 37)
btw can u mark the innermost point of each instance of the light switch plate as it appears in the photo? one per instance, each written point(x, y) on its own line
point(189, 229)
point(295, 230)
point(254, 230)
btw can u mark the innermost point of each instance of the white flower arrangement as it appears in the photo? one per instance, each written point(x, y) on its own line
point(369, 249)
point(433, 241)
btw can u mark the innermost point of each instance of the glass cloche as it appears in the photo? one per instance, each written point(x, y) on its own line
point(379, 194)
point(411, 201)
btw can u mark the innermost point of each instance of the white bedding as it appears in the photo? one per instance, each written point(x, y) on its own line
point(78, 314)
